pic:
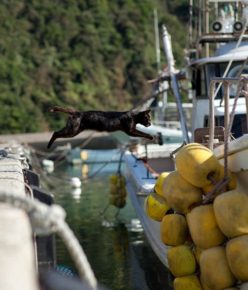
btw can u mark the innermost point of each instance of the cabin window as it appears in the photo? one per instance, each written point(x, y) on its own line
point(214, 70)
point(235, 71)
point(239, 126)
point(200, 84)
point(217, 70)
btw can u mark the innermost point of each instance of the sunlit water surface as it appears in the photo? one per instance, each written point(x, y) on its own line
point(114, 242)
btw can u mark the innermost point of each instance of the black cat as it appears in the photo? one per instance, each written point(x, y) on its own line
point(102, 121)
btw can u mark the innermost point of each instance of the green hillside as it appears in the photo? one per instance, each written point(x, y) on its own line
point(88, 54)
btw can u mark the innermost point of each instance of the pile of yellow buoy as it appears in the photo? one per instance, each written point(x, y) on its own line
point(208, 242)
point(118, 193)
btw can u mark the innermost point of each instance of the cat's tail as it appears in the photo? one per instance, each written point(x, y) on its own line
point(63, 110)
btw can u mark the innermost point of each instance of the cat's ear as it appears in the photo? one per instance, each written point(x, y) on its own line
point(147, 111)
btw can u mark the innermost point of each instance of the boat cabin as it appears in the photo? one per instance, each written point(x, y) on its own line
point(218, 48)
point(202, 72)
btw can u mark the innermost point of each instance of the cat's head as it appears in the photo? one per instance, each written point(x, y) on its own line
point(144, 118)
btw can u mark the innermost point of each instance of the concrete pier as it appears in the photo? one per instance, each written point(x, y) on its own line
point(17, 257)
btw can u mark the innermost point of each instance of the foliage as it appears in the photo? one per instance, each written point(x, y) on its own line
point(91, 54)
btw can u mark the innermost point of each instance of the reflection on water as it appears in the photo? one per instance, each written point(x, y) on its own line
point(115, 245)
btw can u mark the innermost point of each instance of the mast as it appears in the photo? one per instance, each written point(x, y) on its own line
point(174, 82)
point(190, 24)
point(157, 44)
point(207, 25)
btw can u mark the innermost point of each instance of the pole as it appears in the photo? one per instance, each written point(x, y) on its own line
point(207, 24)
point(174, 82)
point(157, 44)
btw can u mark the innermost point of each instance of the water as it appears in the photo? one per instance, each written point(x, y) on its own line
point(114, 242)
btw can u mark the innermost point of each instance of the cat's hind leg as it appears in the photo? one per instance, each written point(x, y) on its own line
point(63, 133)
point(53, 138)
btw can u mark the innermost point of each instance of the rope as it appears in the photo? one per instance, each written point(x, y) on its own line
point(219, 185)
point(229, 128)
point(149, 167)
point(144, 160)
point(120, 160)
point(46, 219)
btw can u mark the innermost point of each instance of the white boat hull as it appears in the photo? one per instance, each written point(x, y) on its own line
point(139, 184)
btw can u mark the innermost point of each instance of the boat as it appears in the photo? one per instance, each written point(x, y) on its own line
point(88, 156)
point(217, 70)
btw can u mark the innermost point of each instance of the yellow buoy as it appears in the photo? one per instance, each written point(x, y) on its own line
point(197, 252)
point(231, 211)
point(237, 256)
point(179, 193)
point(204, 286)
point(173, 229)
point(159, 183)
point(232, 184)
point(117, 184)
point(203, 227)
point(190, 282)
point(85, 170)
point(84, 155)
point(215, 271)
point(156, 206)
point(196, 163)
point(117, 200)
point(181, 261)
point(118, 191)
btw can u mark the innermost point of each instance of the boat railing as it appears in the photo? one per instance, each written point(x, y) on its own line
point(219, 37)
point(242, 85)
point(216, 22)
